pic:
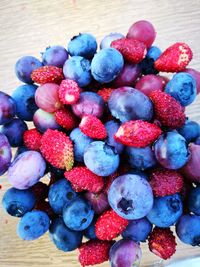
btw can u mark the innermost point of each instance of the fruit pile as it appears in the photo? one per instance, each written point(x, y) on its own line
point(111, 133)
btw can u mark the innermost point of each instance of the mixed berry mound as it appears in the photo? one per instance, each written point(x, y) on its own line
point(113, 141)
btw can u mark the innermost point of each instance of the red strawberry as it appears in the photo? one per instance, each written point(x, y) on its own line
point(105, 93)
point(109, 225)
point(137, 133)
point(47, 74)
point(162, 242)
point(69, 92)
point(32, 139)
point(167, 110)
point(66, 119)
point(166, 182)
point(76, 188)
point(85, 179)
point(132, 50)
point(174, 59)
point(92, 127)
point(57, 149)
point(94, 252)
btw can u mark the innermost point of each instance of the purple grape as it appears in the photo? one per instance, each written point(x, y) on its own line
point(150, 83)
point(5, 154)
point(127, 76)
point(7, 108)
point(26, 170)
point(98, 201)
point(125, 253)
point(44, 120)
point(89, 104)
point(107, 40)
point(55, 56)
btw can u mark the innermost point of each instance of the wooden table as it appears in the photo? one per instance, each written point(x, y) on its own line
point(27, 27)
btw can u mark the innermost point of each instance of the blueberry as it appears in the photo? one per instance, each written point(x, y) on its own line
point(111, 128)
point(130, 195)
point(141, 158)
point(183, 88)
point(64, 238)
point(17, 202)
point(197, 141)
point(24, 97)
point(89, 232)
point(106, 65)
point(84, 45)
point(194, 200)
point(190, 131)
point(101, 158)
point(14, 131)
point(44, 120)
point(81, 142)
point(60, 193)
point(171, 150)
point(166, 210)
point(57, 173)
point(78, 214)
point(5, 154)
point(89, 103)
point(24, 67)
point(188, 229)
point(154, 52)
point(78, 69)
point(7, 108)
point(147, 66)
point(107, 40)
point(138, 230)
point(126, 103)
point(55, 56)
point(33, 225)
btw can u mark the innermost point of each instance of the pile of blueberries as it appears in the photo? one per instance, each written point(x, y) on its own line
point(106, 80)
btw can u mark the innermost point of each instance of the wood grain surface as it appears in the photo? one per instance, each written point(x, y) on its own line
point(28, 26)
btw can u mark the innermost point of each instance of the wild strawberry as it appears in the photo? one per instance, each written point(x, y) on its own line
point(32, 139)
point(47, 74)
point(105, 93)
point(69, 92)
point(66, 119)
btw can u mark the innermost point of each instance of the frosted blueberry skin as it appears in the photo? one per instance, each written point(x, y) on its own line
point(141, 158)
point(25, 66)
point(44, 120)
point(26, 170)
point(55, 56)
point(125, 253)
point(127, 103)
point(78, 69)
point(190, 131)
point(154, 52)
point(14, 131)
point(166, 210)
point(17, 202)
point(89, 103)
point(84, 45)
point(80, 142)
point(5, 154)
point(7, 108)
point(171, 150)
point(107, 40)
point(188, 229)
point(101, 158)
point(138, 230)
point(89, 232)
point(111, 128)
point(106, 65)
point(78, 214)
point(124, 196)
point(33, 225)
point(183, 88)
point(60, 194)
point(194, 200)
point(24, 97)
point(64, 238)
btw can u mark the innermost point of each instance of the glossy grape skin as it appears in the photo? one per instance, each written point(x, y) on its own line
point(98, 201)
point(143, 31)
point(107, 40)
point(5, 154)
point(7, 108)
point(46, 97)
point(44, 120)
point(171, 150)
point(55, 55)
point(125, 253)
point(149, 83)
